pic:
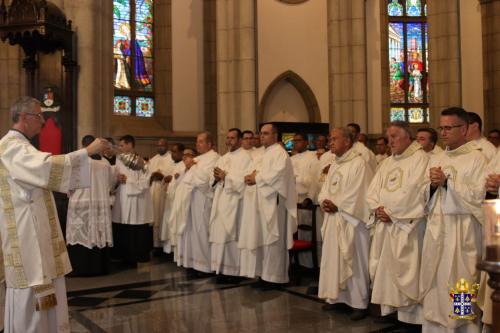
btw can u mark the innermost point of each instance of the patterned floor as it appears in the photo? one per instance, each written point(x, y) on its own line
point(159, 297)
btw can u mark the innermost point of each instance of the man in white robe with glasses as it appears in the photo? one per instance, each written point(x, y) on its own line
point(34, 250)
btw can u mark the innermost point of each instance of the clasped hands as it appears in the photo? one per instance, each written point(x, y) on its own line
point(250, 179)
point(492, 183)
point(437, 177)
point(329, 207)
point(381, 215)
point(219, 174)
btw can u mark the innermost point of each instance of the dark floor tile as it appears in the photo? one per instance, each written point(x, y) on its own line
point(86, 301)
point(312, 291)
point(136, 294)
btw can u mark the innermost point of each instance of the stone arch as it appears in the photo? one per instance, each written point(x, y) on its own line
point(303, 89)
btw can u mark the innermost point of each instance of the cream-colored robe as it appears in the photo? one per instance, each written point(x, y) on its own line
point(452, 243)
point(344, 265)
point(34, 250)
point(367, 154)
point(133, 204)
point(487, 148)
point(398, 186)
point(89, 209)
point(435, 151)
point(33, 246)
point(225, 217)
point(485, 291)
point(192, 229)
point(168, 234)
point(165, 165)
point(269, 218)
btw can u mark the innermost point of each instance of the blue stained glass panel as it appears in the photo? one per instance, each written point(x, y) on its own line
point(415, 62)
point(397, 114)
point(395, 8)
point(122, 106)
point(144, 37)
point(397, 68)
point(144, 107)
point(413, 7)
point(121, 10)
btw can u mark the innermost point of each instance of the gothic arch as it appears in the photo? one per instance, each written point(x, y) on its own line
point(302, 87)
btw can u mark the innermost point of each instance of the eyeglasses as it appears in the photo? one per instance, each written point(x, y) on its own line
point(39, 115)
point(448, 128)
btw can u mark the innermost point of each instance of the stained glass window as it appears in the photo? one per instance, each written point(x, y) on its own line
point(133, 55)
point(408, 60)
point(122, 106)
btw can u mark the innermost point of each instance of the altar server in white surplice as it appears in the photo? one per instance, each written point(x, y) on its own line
point(492, 176)
point(269, 213)
point(132, 211)
point(305, 167)
point(474, 133)
point(225, 218)
point(192, 225)
point(366, 153)
point(171, 181)
point(396, 197)
point(160, 166)
point(452, 243)
point(344, 274)
point(88, 224)
point(34, 251)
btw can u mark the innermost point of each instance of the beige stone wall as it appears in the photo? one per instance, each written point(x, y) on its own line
point(187, 65)
point(347, 62)
point(444, 57)
point(235, 66)
point(491, 59)
point(12, 82)
point(471, 52)
point(293, 37)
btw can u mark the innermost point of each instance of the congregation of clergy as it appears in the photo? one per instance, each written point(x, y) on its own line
point(398, 228)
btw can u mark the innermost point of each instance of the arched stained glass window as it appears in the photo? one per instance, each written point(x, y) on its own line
point(133, 57)
point(408, 60)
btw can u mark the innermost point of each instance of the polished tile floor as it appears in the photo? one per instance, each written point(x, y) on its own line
point(158, 297)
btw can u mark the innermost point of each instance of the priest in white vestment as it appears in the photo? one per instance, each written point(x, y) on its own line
point(492, 176)
point(133, 210)
point(396, 197)
point(344, 274)
point(366, 153)
point(170, 182)
point(269, 213)
point(305, 167)
point(474, 133)
point(225, 217)
point(192, 225)
point(88, 223)
point(381, 149)
point(180, 202)
point(34, 250)
point(427, 137)
point(452, 244)
point(160, 166)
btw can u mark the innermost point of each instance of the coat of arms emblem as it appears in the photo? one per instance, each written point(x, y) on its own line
point(462, 297)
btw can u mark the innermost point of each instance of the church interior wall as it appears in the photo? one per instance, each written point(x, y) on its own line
point(294, 37)
point(188, 99)
point(285, 103)
point(471, 46)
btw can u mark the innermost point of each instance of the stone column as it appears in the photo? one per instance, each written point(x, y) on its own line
point(490, 11)
point(444, 57)
point(347, 62)
point(92, 22)
point(235, 44)
point(12, 81)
